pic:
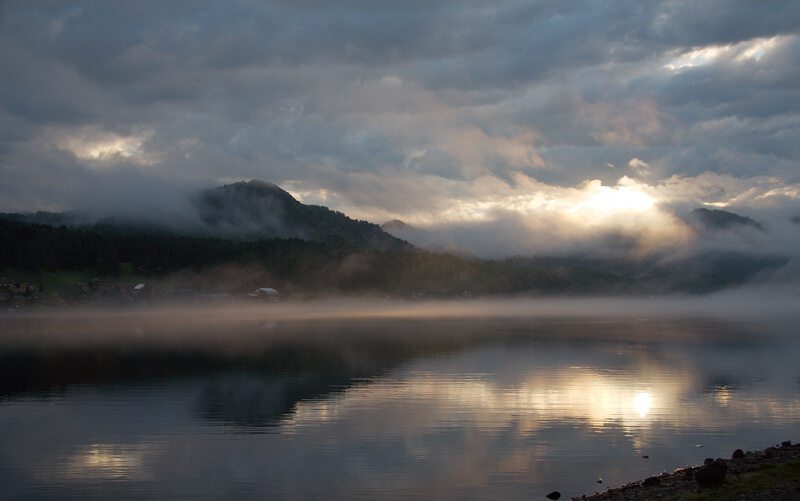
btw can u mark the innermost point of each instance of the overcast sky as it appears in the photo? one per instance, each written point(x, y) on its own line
point(532, 122)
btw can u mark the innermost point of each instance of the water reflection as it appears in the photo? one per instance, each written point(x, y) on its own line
point(445, 409)
point(263, 402)
point(642, 402)
point(107, 462)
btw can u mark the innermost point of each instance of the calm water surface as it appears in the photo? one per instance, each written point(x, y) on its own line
point(479, 409)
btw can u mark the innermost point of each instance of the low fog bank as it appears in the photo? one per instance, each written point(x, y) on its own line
point(745, 303)
point(602, 222)
point(668, 234)
point(346, 340)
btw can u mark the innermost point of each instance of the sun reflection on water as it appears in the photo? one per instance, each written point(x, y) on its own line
point(722, 394)
point(642, 402)
point(107, 461)
point(585, 395)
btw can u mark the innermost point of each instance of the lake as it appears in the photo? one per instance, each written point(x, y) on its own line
point(264, 404)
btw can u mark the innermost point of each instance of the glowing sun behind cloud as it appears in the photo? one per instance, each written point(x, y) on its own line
point(487, 216)
point(592, 202)
point(615, 199)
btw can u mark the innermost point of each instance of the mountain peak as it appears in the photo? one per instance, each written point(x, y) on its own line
point(396, 225)
point(259, 209)
point(256, 188)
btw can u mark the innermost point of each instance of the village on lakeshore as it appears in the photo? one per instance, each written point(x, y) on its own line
point(17, 294)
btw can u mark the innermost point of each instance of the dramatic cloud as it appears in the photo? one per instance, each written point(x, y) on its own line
point(496, 127)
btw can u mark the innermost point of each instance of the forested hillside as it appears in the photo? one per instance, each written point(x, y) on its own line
point(331, 267)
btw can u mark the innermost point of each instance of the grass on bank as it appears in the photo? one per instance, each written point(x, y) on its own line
point(751, 484)
point(52, 280)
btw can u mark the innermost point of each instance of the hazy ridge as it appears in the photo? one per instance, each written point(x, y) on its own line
point(248, 234)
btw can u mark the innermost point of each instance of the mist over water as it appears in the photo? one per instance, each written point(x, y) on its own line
point(743, 302)
point(607, 193)
point(377, 399)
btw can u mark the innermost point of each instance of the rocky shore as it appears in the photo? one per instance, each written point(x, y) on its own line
point(773, 474)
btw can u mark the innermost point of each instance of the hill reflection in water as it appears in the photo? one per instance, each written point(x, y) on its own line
point(382, 407)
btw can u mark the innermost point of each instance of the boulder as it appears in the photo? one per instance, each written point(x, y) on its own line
point(738, 453)
point(651, 481)
point(554, 495)
point(711, 474)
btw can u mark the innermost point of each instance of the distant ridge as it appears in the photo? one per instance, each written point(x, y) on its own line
point(716, 219)
point(317, 249)
point(70, 218)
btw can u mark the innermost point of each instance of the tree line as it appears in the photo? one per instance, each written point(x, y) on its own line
point(343, 267)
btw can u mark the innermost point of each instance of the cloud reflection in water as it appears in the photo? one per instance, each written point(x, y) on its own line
point(441, 409)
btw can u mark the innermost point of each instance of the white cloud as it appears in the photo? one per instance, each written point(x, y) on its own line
point(750, 50)
point(639, 165)
point(99, 148)
point(697, 57)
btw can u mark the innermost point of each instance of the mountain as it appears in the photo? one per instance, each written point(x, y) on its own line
point(254, 210)
point(715, 219)
point(396, 225)
point(246, 211)
point(37, 253)
point(258, 226)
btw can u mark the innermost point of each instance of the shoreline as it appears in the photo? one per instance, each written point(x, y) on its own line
point(772, 473)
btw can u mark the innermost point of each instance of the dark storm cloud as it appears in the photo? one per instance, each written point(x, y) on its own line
point(390, 109)
point(687, 23)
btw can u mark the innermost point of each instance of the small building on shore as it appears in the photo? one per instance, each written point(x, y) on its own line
point(266, 293)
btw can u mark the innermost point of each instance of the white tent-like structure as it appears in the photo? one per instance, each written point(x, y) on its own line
point(266, 293)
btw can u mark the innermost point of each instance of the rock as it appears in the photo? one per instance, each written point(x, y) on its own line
point(554, 495)
point(599, 480)
point(738, 453)
point(651, 481)
point(786, 443)
point(708, 461)
point(711, 474)
point(689, 475)
point(646, 456)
